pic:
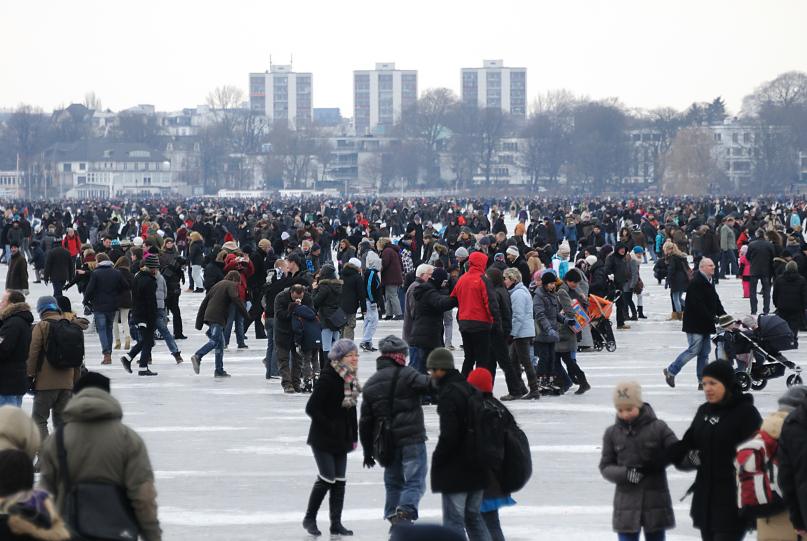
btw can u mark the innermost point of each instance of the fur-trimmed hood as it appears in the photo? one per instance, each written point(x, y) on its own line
point(16, 308)
point(33, 515)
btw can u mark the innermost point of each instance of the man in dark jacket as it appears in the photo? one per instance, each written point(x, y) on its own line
point(352, 294)
point(702, 307)
point(103, 294)
point(456, 474)
point(391, 278)
point(172, 270)
point(760, 255)
point(278, 281)
point(516, 261)
point(59, 268)
point(430, 302)
point(616, 267)
point(255, 284)
point(144, 314)
point(289, 359)
point(17, 276)
point(405, 474)
point(214, 311)
point(792, 457)
point(15, 340)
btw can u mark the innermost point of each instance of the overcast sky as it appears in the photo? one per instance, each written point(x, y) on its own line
point(171, 53)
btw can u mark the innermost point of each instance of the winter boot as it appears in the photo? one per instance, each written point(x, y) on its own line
point(128, 344)
point(679, 316)
point(178, 357)
point(535, 391)
point(107, 358)
point(308, 385)
point(583, 385)
point(641, 312)
point(318, 492)
point(117, 344)
point(126, 361)
point(673, 316)
point(337, 502)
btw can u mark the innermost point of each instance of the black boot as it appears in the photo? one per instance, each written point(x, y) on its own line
point(318, 492)
point(337, 502)
point(641, 312)
point(583, 384)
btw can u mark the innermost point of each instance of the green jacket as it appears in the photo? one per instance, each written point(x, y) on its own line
point(101, 448)
point(728, 240)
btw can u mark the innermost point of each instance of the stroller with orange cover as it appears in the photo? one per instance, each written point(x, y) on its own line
point(599, 310)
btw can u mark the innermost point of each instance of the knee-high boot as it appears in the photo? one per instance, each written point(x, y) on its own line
point(337, 502)
point(318, 492)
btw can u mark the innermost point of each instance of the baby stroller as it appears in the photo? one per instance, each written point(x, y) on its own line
point(599, 311)
point(756, 347)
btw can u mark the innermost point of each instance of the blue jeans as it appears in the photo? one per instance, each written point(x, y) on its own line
point(328, 338)
point(405, 480)
point(461, 514)
point(370, 323)
point(162, 326)
point(677, 301)
point(215, 340)
point(234, 316)
point(11, 400)
point(417, 359)
point(271, 358)
point(103, 324)
point(699, 346)
point(648, 536)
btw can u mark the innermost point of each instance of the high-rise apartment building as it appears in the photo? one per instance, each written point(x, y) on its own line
point(494, 85)
point(282, 94)
point(380, 96)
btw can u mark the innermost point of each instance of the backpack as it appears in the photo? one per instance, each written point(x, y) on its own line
point(485, 428)
point(65, 347)
point(758, 495)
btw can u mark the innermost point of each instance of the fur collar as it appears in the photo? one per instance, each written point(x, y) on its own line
point(12, 309)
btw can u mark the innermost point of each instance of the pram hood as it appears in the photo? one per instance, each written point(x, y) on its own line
point(774, 333)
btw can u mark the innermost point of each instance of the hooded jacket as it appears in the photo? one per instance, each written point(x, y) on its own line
point(391, 267)
point(327, 297)
point(352, 290)
point(17, 276)
point(478, 307)
point(790, 298)
point(18, 431)
point(144, 297)
point(216, 304)
point(523, 325)
point(430, 303)
point(372, 281)
point(15, 341)
point(105, 287)
point(101, 448)
point(47, 376)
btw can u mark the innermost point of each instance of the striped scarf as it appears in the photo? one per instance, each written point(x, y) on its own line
point(352, 385)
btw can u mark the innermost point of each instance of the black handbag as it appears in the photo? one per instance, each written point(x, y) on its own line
point(384, 442)
point(96, 511)
point(336, 320)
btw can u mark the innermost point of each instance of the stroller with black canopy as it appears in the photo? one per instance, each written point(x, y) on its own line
point(756, 347)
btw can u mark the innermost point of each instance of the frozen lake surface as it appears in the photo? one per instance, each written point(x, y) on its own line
point(231, 461)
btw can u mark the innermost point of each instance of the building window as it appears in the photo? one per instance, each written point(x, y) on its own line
point(746, 138)
point(67, 167)
point(82, 167)
point(735, 138)
point(718, 138)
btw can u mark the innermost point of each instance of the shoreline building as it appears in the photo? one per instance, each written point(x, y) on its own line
point(381, 96)
point(495, 85)
point(282, 94)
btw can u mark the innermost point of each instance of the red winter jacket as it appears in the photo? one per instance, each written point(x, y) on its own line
point(476, 312)
point(72, 245)
point(245, 269)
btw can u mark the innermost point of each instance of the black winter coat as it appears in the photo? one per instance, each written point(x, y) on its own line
point(505, 309)
point(17, 276)
point(144, 295)
point(271, 291)
point(334, 429)
point(618, 266)
point(284, 334)
point(352, 290)
point(196, 253)
point(59, 265)
point(125, 298)
point(715, 433)
point(104, 289)
point(793, 465)
point(453, 469)
point(214, 273)
point(327, 299)
point(15, 340)
point(598, 280)
point(702, 306)
point(677, 275)
point(430, 303)
point(790, 298)
point(760, 255)
point(407, 414)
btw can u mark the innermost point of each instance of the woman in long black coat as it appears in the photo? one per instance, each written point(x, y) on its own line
point(790, 297)
point(334, 432)
point(727, 419)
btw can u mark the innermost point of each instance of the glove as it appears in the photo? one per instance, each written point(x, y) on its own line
point(369, 462)
point(634, 476)
point(694, 457)
point(553, 335)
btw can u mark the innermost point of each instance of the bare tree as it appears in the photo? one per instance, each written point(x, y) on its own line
point(690, 166)
point(785, 91)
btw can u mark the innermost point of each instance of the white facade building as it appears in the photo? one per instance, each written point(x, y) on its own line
point(282, 94)
point(11, 184)
point(495, 85)
point(380, 96)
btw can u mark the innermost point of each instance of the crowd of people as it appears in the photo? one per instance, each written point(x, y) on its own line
point(314, 277)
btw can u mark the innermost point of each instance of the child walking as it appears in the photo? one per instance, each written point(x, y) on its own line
point(633, 458)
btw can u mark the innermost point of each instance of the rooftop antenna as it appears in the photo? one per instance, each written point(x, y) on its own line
point(291, 59)
point(270, 60)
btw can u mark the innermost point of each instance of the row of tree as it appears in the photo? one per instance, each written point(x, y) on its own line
point(566, 136)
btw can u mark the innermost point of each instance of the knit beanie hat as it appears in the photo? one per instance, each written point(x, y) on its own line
point(461, 252)
point(638, 250)
point(327, 272)
point(355, 262)
point(439, 276)
point(548, 277)
point(627, 394)
point(137, 241)
point(341, 348)
point(793, 398)
point(16, 472)
point(722, 371)
point(440, 358)
point(564, 249)
point(91, 379)
point(18, 431)
point(513, 251)
point(47, 303)
point(152, 261)
point(591, 259)
point(482, 379)
point(392, 344)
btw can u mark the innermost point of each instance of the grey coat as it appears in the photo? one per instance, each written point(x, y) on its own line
point(641, 444)
point(568, 339)
point(546, 312)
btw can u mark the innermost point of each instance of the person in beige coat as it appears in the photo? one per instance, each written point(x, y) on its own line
point(100, 448)
point(53, 386)
point(18, 431)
